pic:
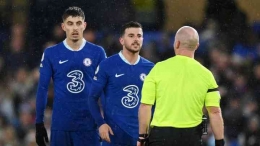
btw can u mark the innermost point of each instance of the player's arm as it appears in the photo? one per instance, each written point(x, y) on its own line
point(44, 80)
point(41, 99)
point(99, 83)
point(97, 86)
point(147, 100)
point(102, 56)
point(212, 103)
point(93, 102)
point(101, 107)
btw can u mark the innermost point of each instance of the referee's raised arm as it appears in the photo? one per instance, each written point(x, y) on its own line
point(180, 87)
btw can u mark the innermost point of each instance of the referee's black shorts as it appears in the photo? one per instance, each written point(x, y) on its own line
point(169, 136)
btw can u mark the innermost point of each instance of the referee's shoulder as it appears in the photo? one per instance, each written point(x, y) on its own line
point(164, 62)
point(203, 68)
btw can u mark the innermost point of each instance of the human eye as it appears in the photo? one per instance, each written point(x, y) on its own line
point(79, 23)
point(130, 35)
point(70, 23)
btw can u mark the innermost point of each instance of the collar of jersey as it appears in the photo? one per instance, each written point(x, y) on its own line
point(126, 61)
point(80, 48)
point(184, 57)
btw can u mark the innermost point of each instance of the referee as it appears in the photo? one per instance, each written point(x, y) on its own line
point(179, 87)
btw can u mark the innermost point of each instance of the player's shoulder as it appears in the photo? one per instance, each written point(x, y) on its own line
point(109, 62)
point(52, 49)
point(146, 62)
point(93, 46)
point(111, 59)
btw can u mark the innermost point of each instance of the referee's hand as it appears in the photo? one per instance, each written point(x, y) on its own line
point(104, 131)
point(220, 142)
point(141, 141)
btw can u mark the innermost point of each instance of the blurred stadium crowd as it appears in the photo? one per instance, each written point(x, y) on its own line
point(229, 47)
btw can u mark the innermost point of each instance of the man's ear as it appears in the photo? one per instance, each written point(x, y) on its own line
point(121, 40)
point(63, 26)
point(177, 44)
point(197, 46)
point(85, 25)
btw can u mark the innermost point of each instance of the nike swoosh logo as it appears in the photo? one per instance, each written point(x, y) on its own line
point(61, 62)
point(119, 75)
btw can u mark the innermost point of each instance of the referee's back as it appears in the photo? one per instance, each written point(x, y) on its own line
point(179, 88)
point(182, 86)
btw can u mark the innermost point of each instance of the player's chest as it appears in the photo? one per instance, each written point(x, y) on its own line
point(63, 63)
point(123, 76)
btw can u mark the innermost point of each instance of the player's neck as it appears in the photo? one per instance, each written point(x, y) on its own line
point(130, 57)
point(74, 45)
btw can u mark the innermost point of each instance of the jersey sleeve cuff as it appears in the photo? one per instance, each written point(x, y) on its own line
point(151, 102)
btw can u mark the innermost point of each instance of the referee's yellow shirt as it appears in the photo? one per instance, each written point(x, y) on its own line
point(179, 87)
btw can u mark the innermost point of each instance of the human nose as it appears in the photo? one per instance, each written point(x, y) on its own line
point(75, 27)
point(136, 38)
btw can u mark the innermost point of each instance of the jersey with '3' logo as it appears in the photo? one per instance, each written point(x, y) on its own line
point(122, 84)
point(72, 73)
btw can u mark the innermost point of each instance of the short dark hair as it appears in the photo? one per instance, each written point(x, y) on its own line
point(74, 12)
point(130, 25)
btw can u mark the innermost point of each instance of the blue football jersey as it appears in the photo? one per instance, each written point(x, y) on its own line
point(72, 73)
point(122, 84)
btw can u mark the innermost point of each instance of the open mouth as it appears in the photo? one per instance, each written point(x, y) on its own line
point(75, 34)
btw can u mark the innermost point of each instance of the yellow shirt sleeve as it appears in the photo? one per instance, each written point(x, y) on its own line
point(212, 96)
point(149, 88)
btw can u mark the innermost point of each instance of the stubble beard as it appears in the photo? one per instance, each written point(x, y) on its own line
point(128, 48)
point(75, 40)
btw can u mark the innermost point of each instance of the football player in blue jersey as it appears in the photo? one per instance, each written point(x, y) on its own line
point(120, 77)
point(71, 64)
